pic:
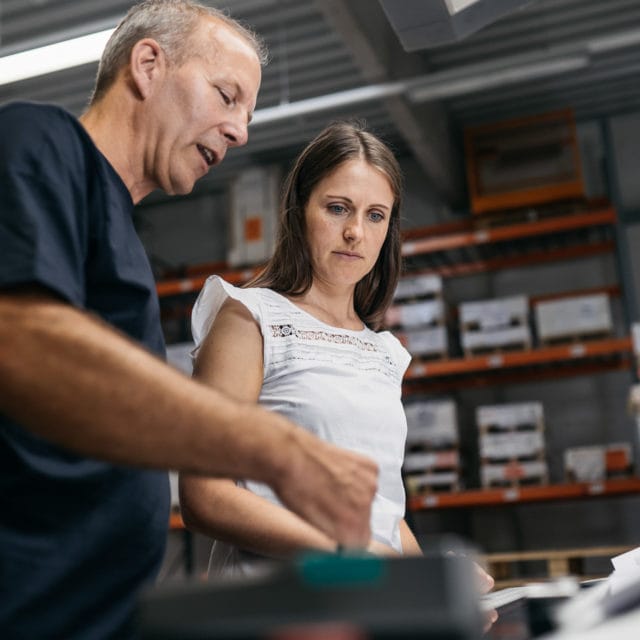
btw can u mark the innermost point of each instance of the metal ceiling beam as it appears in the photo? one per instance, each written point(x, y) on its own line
point(364, 29)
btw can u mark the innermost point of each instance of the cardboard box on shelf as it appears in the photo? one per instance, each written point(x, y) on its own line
point(428, 285)
point(475, 341)
point(510, 416)
point(511, 445)
point(497, 313)
point(598, 462)
point(430, 341)
point(416, 314)
point(431, 460)
point(432, 424)
point(574, 317)
point(514, 473)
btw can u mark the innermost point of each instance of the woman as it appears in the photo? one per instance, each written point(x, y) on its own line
point(302, 339)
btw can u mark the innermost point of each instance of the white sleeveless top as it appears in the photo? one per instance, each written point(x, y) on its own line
point(343, 386)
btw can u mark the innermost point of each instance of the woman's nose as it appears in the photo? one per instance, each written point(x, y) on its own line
point(353, 228)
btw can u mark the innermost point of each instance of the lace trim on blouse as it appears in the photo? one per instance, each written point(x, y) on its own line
point(286, 330)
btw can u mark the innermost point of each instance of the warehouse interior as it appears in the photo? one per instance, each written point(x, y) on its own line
point(550, 87)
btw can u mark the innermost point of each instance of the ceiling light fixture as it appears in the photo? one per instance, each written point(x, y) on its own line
point(450, 88)
point(53, 57)
point(326, 102)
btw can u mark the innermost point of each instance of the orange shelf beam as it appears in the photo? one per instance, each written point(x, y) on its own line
point(523, 260)
point(180, 286)
point(511, 232)
point(612, 290)
point(516, 495)
point(450, 235)
point(514, 359)
point(517, 376)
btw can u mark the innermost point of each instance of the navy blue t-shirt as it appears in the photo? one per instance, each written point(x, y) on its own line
point(78, 536)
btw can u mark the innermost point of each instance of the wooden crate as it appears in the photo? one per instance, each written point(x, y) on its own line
point(438, 481)
point(506, 568)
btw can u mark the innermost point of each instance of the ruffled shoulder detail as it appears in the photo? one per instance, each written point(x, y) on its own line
point(397, 351)
point(209, 302)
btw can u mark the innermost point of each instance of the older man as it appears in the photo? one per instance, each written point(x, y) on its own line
point(88, 416)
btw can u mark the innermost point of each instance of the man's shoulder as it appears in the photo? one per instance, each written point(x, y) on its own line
point(34, 112)
point(36, 133)
point(22, 122)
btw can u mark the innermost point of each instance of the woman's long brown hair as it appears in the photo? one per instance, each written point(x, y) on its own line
point(289, 270)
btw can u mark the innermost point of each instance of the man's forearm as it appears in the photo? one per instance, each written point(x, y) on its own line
point(75, 381)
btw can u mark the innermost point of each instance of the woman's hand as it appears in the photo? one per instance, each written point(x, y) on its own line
point(484, 581)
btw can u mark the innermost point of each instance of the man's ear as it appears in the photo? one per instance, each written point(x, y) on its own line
point(147, 64)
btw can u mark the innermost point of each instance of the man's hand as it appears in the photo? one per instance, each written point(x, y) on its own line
point(331, 488)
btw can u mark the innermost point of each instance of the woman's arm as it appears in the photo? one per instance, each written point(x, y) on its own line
point(410, 546)
point(230, 360)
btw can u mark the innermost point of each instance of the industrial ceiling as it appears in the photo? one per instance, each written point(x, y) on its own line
point(338, 58)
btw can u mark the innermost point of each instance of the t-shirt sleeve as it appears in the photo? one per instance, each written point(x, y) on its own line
point(43, 211)
point(209, 302)
point(401, 356)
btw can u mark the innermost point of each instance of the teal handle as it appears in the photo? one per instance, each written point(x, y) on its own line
point(345, 570)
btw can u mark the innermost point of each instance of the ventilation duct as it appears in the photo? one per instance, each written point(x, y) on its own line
point(422, 24)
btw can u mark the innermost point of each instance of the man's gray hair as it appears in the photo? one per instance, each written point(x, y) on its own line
point(170, 23)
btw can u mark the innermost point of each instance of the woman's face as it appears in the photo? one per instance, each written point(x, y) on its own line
point(347, 219)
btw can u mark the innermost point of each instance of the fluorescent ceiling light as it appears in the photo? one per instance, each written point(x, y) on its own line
point(426, 88)
point(420, 92)
point(614, 42)
point(330, 101)
point(53, 57)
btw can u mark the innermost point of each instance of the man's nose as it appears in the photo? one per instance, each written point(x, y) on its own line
point(236, 133)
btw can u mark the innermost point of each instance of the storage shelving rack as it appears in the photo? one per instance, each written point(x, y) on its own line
point(455, 250)
point(539, 239)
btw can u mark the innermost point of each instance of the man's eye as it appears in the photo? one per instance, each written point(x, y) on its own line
point(225, 98)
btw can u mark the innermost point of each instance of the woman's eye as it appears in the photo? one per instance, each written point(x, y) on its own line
point(336, 208)
point(376, 216)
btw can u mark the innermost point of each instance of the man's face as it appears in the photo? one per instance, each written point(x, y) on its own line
point(201, 108)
